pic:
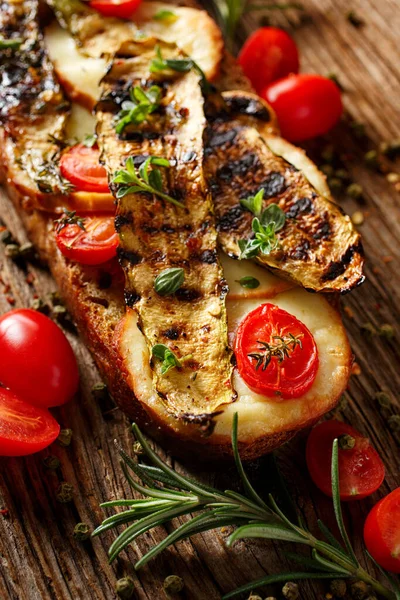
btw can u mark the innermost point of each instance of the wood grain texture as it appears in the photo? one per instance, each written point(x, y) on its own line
point(39, 558)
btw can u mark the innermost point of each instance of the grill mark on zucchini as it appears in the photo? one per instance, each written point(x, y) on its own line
point(319, 247)
point(168, 236)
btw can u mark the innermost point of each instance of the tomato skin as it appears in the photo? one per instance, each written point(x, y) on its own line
point(121, 9)
point(306, 105)
point(36, 360)
point(268, 54)
point(24, 429)
point(296, 373)
point(361, 471)
point(94, 246)
point(81, 166)
point(382, 532)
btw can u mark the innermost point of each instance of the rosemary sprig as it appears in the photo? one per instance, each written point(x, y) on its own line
point(281, 349)
point(180, 65)
point(144, 179)
point(69, 218)
point(265, 225)
point(136, 110)
point(168, 494)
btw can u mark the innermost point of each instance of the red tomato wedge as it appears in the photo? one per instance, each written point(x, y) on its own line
point(122, 9)
point(93, 245)
point(268, 54)
point(36, 359)
point(24, 429)
point(382, 532)
point(290, 372)
point(361, 470)
point(306, 105)
point(81, 166)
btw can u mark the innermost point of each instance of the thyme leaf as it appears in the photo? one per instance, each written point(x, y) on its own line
point(264, 225)
point(179, 65)
point(69, 218)
point(132, 180)
point(89, 140)
point(167, 357)
point(281, 348)
point(142, 103)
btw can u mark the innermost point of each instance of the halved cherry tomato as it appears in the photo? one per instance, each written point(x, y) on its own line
point(268, 54)
point(382, 532)
point(36, 360)
point(122, 9)
point(288, 374)
point(306, 105)
point(93, 245)
point(24, 429)
point(361, 470)
point(81, 166)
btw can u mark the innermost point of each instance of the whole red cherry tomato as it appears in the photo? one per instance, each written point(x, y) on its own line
point(382, 532)
point(36, 360)
point(268, 54)
point(286, 375)
point(81, 166)
point(93, 245)
point(361, 470)
point(122, 9)
point(24, 429)
point(306, 105)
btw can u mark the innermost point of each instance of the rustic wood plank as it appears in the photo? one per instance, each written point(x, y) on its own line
point(39, 557)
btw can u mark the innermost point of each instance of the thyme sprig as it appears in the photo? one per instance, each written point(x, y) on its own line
point(180, 65)
point(281, 349)
point(69, 218)
point(168, 494)
point(144, 179)
point(142, 103)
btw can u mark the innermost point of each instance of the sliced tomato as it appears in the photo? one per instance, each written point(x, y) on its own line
point(37, 361)
point(306, 105)
point(122, 9)
point(382, 532)
point(81, 166)
point(361, 470)
point(24, 429)
point(268, 54)
point(93, 245)
point(289, 373)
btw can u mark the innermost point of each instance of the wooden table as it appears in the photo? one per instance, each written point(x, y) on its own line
point(39, 557)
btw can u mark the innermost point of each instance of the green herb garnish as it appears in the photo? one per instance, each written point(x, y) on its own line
point(180, 65)
point(89, 140)
point(141, 104)
point(144, 179)
point(69, 218)
point(281, 347)
point(264, 225)
point(169, 495)
point(169, 281)
point(13, 44)
point(248, 282)
point(166, 15)
point(168, 358)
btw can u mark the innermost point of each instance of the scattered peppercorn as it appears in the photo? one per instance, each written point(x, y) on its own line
point(12, 251)
point(335, 184)
point(359, 590)
point(338, 588)
point(100, 391)
point(40, 306)
point(371, 159)
point(137, 448)
point(354, 190)
point(254, 597)
point(346, 442)
point(81, 532)
point(55, 299)
point(173, 584)
point(354, 19)
point(328, 154)
point(327, 170)
point(290, 591)
point(387, 331)
point(64, 437)
point(391, 149)
point(124, 588)
point(393, 177)
point(342, 174)
point(51, 462)
point(383, 399)
point(65, 492)
point(394, 422)
point(357, 217)
point(59, 313)
point(368, 329)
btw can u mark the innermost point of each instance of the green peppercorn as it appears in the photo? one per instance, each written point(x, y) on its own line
point(346, 442)
point(359, 590)
point(354, 190)
point(270, 598)
point(342, 174)
point(335, 184)
point(100, 391)
point(328, 154)
point(387, 331)
point(173, 584)
point(394, 423)
point(254, 597)
point(368, 329)
point(371, 159)
point(81, 531)
point(65, 492)
point(51, 462)
point(60, 313)
point(125, 588)
point(327, 170)
point(137, 448)
point(338, 588)
point(290, 591)
point(383, 398)
point(12, 251)
point(55, 299)
point(65, 437)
